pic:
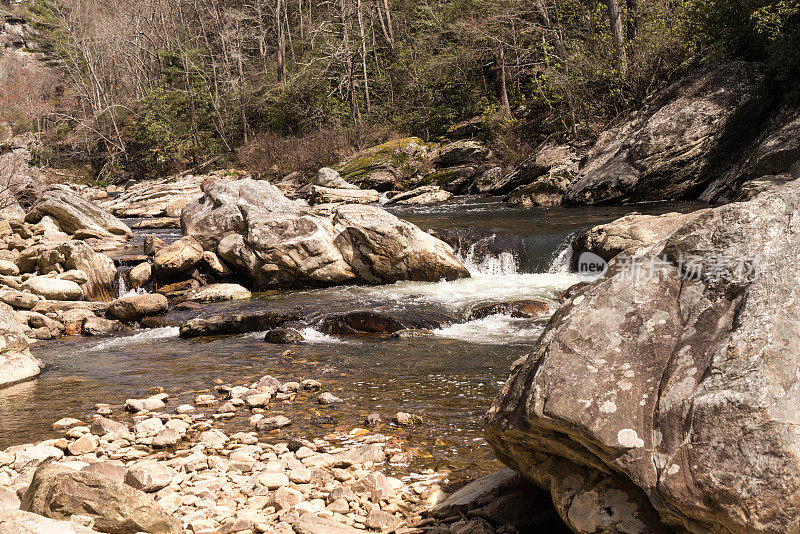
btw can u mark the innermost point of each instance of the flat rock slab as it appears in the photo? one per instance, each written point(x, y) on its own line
point(478, 493)
point(311, 524)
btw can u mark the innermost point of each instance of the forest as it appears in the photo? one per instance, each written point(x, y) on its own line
point(139, 88)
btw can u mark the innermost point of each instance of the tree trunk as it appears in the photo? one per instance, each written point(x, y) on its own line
point(500, 83)
point(280, 54)
point(632, 19)
point(555, 36)
point(364, 58)
point(615, 21)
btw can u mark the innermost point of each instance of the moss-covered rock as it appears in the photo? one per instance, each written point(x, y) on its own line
point(385, 166)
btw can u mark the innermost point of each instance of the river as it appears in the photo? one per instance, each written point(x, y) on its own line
point(449, 379)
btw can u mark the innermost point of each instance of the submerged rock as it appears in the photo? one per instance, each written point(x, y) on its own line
point(630, 403)
point(283, 336)
point(223, 324)
point(366, 322)
point(515, 308)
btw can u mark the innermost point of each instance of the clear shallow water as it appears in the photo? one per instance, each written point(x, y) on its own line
point(449, 379)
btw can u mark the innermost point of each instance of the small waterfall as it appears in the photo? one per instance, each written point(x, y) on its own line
point(500, 264)
point(562, 262)
point(122, 288)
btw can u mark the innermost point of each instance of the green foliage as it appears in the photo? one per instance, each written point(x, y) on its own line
point(171, 129)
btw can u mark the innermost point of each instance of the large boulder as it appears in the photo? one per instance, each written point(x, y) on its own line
point(775, 152)
point(383, 249)
point(683, 138)
point(286, 250)
point(100, 268)
point(671, 394)
point(16, 361)
point(58, 493)
point(76, 215)
point(277, 244)
point(219, 211)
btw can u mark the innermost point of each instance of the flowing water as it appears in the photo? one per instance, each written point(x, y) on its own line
point(449, 379)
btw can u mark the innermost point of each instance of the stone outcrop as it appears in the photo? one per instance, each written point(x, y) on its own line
point(776, 152)
point(155, 198)
point(671, 399)
point(16, 361)
point(385, 166)
point(277, 243)
point(76, 215)
point(684, 137)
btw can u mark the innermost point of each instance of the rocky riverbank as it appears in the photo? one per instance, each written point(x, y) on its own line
point(148, 466)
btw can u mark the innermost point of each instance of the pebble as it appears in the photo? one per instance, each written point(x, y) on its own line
point(328, 398)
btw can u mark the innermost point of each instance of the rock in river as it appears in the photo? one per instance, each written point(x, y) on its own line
point(53, 289)
point(133, 308)
point(277, 243)
point(16, 361)
point(668, 399)
point(178, 257)
point(219, 292)
point(223, 324)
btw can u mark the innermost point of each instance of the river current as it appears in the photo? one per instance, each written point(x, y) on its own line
point(449, 379)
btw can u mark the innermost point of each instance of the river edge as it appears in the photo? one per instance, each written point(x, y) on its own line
point(259, 480)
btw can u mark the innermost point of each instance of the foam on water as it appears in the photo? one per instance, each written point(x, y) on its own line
point(494, 329)
point(561, 263)
point(315, 336)
point(165, 333)
point(457, 295)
